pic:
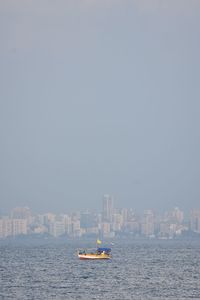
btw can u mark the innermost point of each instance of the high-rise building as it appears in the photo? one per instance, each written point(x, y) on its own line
point(22, 213)
point(108, 208)
point(105, 229)
point(76, 228)
point(117, 222)
point(148, 223)
point(57, 228)
point(12, 227)
point(177, 215)
point(19, 226)
point(124, 213)
point(195, 220)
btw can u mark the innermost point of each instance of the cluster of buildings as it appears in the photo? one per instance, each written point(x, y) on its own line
point(110, 223)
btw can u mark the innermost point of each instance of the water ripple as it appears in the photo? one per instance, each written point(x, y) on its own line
point(138, 270)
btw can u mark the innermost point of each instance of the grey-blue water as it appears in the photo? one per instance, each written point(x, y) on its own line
point(138, 270)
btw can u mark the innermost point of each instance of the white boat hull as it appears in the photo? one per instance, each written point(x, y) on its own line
point(93, 256)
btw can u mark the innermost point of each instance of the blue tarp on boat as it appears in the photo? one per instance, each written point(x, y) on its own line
point(107, 250)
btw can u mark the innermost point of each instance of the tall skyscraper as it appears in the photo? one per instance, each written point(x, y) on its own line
point(108, 208)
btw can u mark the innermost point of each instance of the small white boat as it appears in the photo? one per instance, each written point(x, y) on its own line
point(99, 253)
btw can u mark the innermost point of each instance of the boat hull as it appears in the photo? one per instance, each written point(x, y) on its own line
point(93, 256)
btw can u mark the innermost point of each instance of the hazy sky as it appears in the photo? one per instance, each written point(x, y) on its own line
point(99, 96)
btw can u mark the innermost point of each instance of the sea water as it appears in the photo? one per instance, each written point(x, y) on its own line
point(139, 269)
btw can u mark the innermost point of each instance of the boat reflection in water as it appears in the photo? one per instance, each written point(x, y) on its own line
point(99, 253)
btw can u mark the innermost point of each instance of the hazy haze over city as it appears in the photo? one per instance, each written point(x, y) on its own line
point(99, 97)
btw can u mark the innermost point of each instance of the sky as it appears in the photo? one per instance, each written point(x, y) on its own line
point(99, 97)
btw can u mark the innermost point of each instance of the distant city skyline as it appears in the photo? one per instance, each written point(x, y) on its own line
point(111, 222)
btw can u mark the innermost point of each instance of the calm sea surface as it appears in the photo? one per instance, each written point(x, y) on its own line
point(49, 269)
